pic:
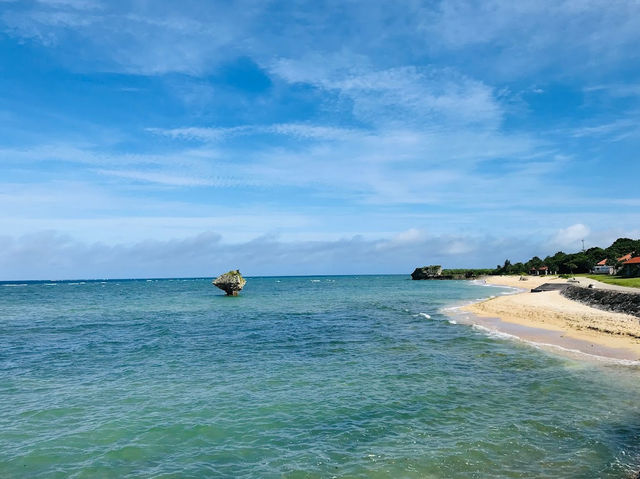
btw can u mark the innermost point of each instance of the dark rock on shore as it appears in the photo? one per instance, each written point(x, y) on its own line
point(230, 282)
point(608, 300)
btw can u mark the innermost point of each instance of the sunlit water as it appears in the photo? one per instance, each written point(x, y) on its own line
point(297, 377)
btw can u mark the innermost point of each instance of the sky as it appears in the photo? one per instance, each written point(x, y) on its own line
point(163, 139)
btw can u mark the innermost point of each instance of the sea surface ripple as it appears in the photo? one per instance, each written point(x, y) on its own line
point(297, 377)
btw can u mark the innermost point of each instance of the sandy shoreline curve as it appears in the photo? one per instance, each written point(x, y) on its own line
point(548, 318)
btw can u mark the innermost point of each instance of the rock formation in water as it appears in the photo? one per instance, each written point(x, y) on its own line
point(427, 272)
point(230, 282)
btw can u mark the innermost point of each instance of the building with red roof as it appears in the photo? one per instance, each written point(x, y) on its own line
point(541, 271)
point(631, 267)
point(602, 267)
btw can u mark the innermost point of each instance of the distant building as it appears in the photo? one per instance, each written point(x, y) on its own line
point(631, 267)
point(602, 267)
point(541, 271)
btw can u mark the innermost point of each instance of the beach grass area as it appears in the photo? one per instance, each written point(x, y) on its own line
point(617, 280)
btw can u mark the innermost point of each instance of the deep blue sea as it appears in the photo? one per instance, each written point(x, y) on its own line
point(305, 377)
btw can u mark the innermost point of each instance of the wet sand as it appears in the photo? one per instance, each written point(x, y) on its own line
point(551, 319)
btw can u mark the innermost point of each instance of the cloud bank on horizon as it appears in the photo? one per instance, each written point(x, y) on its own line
point(166, 139)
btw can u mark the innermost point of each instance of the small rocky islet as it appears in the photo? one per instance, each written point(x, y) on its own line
point(230, 282)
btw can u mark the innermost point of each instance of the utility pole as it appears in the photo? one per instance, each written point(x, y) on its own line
point(583, 246)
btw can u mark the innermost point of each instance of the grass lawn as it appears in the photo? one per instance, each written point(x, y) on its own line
point(620, 281)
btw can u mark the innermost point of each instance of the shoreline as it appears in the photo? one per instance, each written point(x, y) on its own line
point(549, 320)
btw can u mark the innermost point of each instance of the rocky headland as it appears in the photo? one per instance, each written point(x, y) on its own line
point(435, 272)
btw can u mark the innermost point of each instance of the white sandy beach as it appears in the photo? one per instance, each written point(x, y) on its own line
point(550, 318)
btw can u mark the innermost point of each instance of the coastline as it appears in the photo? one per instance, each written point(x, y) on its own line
point(550, 320)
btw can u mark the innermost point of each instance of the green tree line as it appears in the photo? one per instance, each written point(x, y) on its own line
point(581, 262)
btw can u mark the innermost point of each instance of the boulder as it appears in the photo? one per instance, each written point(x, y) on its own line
point(230, 282)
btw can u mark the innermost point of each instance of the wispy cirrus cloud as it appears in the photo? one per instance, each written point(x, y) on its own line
point(164, 178)
point(296, 130)
point(404, 94)
point(508, 39)
point(613, 131)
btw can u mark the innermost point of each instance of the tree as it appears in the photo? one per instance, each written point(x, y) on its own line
point(581, 262)
point(621, 247)
point(535, 262)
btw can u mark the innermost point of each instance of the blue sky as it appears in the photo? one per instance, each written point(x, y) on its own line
point(185, 138)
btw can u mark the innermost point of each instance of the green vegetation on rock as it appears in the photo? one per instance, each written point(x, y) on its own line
point(230, 282)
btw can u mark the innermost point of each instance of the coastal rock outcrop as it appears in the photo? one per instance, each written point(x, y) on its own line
point(230, 282)
point(427, 272)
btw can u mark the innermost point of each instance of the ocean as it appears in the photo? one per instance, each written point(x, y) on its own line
point(298, 377)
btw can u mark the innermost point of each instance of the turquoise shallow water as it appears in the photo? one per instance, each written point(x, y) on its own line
point(297, 377)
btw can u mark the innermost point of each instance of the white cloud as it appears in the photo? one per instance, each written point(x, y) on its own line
point(406, 94)
point(571, 237)
point(508, 39)
point(409, 236)
point(295, 130)
point(617, 130)
point(525, 37)
point(164, 178)
point(391, 133)
point(50, 255)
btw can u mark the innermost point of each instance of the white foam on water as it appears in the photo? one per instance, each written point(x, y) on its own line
point(492, 333)
point(428, 316)
point(606, 359)
point(515, 289)
point(314, 280)
point(14, 285)
point(453, 308)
